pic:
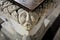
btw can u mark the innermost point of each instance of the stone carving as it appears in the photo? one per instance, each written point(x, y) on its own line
point(26, 19)
point(6, 4)
point(14, 15)
point(12, 8)
point(23, 17)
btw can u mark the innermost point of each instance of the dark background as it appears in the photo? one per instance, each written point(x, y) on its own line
point(50, 34)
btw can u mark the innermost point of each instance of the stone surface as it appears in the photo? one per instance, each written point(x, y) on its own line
point(12, 8)
point(31, 4)
point(2, 37)
point(2, 1)
point(7, 3)
point(27, 20)
point(14, 16)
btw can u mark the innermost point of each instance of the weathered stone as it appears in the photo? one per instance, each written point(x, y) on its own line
point(12, 8)
point(1, 1)
point(14, 15)
point(22, 20)
point(7, 3)
point(5, 10)
point(26, 19)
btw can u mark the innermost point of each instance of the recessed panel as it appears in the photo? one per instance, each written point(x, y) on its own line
point(31, 4)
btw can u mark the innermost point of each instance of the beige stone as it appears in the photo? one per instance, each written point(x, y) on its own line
point(14, 16)
point(12, 8)
point(7, 3)
point(26, 19)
